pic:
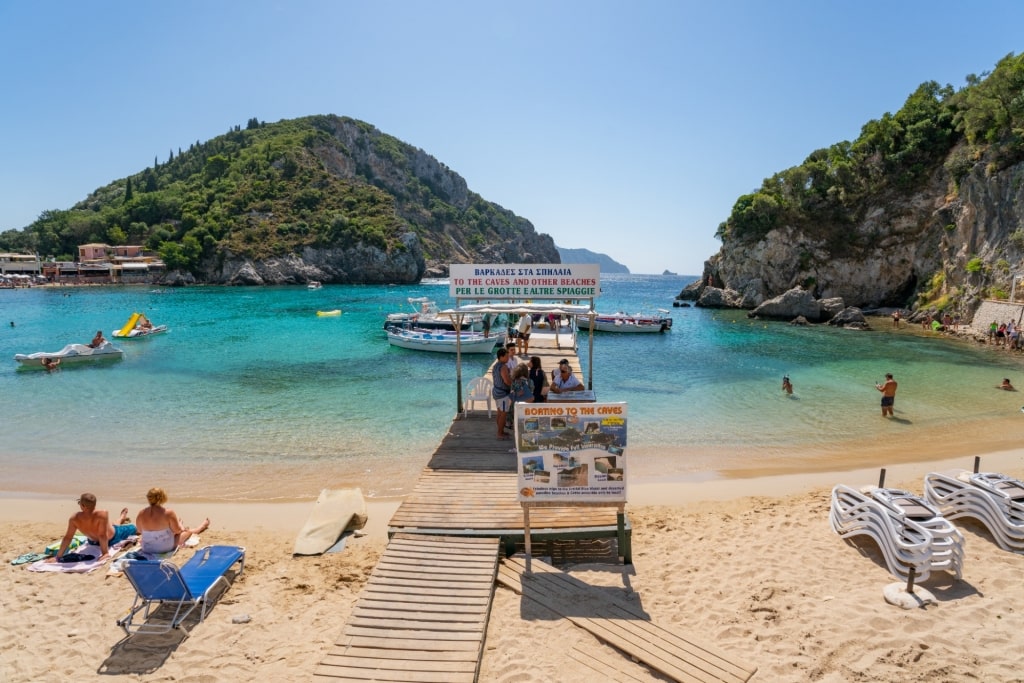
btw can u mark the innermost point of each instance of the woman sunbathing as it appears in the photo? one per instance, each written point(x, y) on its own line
point(160, 528)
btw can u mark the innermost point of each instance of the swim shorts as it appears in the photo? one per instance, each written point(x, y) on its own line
point(121, 532)
point(887, 401)
point(504, 403)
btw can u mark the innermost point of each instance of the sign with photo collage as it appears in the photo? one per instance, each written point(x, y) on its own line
point(572, 452)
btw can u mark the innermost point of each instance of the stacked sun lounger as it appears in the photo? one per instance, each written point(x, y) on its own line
point(909, 531)
point(995, 500)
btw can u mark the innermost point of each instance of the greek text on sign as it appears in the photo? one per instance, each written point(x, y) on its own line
point(525, 281)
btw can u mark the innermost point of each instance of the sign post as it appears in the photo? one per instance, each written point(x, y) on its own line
point(571, 454)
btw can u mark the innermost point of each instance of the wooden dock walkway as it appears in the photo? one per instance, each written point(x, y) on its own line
point(621, 624)
point(421, 616)
point(423, 613)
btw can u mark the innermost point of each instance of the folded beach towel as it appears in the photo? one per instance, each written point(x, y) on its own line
point(77, 541)
point(83, 567)
point(335, 512)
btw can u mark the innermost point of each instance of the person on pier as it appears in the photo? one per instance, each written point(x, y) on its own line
point(501, 379)
point(564, 381)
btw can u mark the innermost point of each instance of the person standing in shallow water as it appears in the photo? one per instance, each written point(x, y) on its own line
point(787, 386)
point(888, 389)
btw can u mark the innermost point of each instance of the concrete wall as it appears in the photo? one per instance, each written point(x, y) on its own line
point(1000, 311)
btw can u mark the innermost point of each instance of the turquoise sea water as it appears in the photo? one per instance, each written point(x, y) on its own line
point(251, 396)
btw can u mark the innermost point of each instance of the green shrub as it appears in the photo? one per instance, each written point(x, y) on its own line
point(975, 265)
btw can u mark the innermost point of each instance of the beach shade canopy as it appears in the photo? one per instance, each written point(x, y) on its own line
point(520, 308)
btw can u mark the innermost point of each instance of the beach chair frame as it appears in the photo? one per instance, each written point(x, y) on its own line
point(991, 499)
point(189, 588)
point(925, 542)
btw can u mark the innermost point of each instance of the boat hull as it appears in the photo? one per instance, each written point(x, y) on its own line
point(140, 334)
point(72, 353)
point(442, 343)
point(626, 324)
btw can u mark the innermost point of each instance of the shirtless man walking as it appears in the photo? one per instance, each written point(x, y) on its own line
point(96, 526)
point(888, 390)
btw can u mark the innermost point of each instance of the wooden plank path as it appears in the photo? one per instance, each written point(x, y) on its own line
point(421, 616)
point(621, 624)
point(469, 488)
point(469, 485)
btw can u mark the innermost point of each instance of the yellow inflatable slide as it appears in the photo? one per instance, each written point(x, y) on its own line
point(129, 326)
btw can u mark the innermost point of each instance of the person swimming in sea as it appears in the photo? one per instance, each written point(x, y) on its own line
point(787, 386)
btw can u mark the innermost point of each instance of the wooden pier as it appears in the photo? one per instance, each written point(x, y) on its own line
point(423, 614)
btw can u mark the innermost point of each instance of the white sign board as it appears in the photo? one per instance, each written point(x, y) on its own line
point(524, 280)
point(573, 452)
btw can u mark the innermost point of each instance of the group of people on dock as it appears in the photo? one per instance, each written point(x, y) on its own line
point(513, 382)
point(159, 528)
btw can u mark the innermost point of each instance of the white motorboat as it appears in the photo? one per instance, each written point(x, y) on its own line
point(426, 315)
point(72, 353)
point(313, 284)
point(443, 342)
point(624, 322)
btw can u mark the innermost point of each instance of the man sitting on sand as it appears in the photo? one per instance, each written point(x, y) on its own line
point(160, 527)
point(95, 525)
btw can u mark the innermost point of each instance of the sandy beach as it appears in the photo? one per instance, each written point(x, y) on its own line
point(748, 565)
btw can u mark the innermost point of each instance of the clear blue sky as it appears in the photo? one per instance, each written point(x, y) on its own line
point(628, 128)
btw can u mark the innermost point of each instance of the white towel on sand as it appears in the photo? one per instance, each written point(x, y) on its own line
point(83, 567)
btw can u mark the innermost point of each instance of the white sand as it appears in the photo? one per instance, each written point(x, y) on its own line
point(748, 565)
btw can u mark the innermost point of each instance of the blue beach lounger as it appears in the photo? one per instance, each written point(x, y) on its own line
point(186, 588)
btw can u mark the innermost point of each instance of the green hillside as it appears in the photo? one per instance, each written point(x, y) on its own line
point(268, 190)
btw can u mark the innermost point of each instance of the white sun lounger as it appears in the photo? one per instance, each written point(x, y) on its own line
point(994, 500)
point(907, 529)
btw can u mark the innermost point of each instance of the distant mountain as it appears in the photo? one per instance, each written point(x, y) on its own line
point(607, 263)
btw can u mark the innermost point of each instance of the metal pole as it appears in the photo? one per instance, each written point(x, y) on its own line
point(526, 536)
point(590, 365)
point(910, 580)
point(881, 478)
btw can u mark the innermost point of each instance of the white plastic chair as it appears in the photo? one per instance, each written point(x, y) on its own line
point(478, 389)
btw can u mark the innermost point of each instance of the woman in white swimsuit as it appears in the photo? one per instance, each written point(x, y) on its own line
point(160, 528)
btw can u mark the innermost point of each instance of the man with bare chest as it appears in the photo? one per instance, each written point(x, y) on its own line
point(96, 526)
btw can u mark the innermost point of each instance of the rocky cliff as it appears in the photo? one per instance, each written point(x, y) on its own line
point(947, 245)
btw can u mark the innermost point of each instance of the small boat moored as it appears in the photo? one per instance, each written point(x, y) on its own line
point(313, 284)
point(72, 353)
point(427, 316)
point(443, 342)
point(624, 322)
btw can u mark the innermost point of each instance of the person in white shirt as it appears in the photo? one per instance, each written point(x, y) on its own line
point(523, 339)
point(563, 380)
